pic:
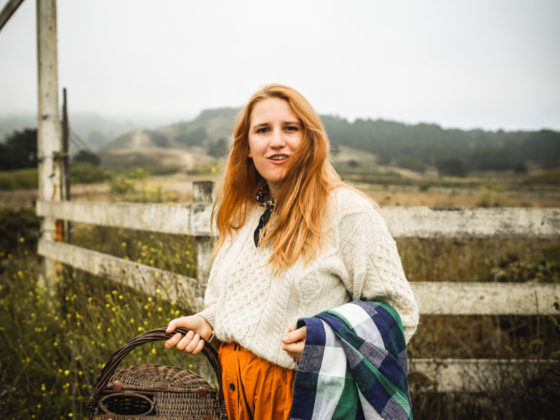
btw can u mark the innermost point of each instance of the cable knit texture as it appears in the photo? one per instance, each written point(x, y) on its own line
point(358, 259)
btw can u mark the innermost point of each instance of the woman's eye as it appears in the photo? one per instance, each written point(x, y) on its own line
point(262, 130)
point(292, 128)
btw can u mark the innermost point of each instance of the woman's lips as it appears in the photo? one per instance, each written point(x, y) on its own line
point(278, 158)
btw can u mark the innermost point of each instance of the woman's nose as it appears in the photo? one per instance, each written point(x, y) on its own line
point(277, 139)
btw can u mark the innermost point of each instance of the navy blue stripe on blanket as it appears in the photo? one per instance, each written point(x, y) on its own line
point(354, 365)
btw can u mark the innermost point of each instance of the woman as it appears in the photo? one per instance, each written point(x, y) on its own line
point(294, 240)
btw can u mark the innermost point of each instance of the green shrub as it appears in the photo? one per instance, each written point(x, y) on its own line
point(132, 186)
point(411, 163)
point(19, 179)
point(551, 177)
point(18, 228)
point(27, 178)
point(87, 173)
point(80, 173)
point(206, 169)
point(7, 181)
point(489, 197)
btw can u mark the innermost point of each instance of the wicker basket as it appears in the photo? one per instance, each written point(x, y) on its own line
point(154, 391)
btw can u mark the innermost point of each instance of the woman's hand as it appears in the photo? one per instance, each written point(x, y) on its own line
point(193, 341)
point(293, 341)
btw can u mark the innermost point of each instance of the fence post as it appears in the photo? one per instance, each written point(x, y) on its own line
point(203, 193)
point(65, 175)
point(49, 141)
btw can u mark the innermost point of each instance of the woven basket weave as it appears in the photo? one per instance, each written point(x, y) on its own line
point(154, 391)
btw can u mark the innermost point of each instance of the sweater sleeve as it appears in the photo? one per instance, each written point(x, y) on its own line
point(209, 311)
point(373, 266)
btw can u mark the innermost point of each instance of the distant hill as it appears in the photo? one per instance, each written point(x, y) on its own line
point(94, 129)
point(411, 146)
point(205, 130)
point(203, 139)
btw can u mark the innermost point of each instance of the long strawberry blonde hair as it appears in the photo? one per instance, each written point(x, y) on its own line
point(297, 221)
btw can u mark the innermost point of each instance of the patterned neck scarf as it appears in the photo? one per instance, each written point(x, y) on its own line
point(264, 199)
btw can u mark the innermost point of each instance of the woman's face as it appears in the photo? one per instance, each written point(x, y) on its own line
point(275, 133)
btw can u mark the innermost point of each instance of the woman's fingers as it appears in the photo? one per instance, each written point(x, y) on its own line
point(189, 343)
point(170, 327)
point(198, 347)
point(184, 321)
point(173, 341)
point(289, 330)
point(293, 341)
point(193, 343)
point(294, 350)
point(294, 336)
point(294, 347)
point(299, 334)
point(185, 341)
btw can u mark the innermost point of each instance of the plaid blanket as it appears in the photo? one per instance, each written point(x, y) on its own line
point(354, 365)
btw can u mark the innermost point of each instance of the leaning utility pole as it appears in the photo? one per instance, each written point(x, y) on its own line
point(49, 134)
point(9, 9)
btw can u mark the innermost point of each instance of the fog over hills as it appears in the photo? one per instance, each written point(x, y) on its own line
point(411, 146)
point(96, 130)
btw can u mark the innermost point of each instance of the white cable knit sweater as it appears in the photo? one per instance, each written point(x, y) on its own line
point(358, 259)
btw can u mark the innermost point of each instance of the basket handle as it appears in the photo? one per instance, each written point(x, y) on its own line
point(147, 337)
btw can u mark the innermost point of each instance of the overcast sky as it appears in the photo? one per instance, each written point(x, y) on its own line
point(478, 63)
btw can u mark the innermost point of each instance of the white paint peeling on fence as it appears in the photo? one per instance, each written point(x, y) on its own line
point(474, 375)
point(487, 298)
point(182, 290)
point(503, 222)
point(422, 222)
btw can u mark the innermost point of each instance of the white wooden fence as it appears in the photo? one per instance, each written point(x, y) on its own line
point(457, 298)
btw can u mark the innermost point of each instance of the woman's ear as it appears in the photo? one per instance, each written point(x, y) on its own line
point(249, 155)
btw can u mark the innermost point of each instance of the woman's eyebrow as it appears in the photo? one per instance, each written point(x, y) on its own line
point(267, 123)
point(260, 124)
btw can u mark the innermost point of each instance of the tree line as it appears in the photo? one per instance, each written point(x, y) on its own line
point(19, 151)
point(418, 146)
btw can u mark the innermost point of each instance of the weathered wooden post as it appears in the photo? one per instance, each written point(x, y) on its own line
point(65, 175)
point(203, 195)
point(48, 123)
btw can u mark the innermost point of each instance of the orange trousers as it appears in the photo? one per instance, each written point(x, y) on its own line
point(254, 388)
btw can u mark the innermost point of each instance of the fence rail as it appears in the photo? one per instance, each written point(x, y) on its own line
point(175, 287)
point(474, 375)
point(421, 222)
point(453, 298)
point(456, 298)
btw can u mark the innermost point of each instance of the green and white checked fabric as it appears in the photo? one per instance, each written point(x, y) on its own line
point(354, 365)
